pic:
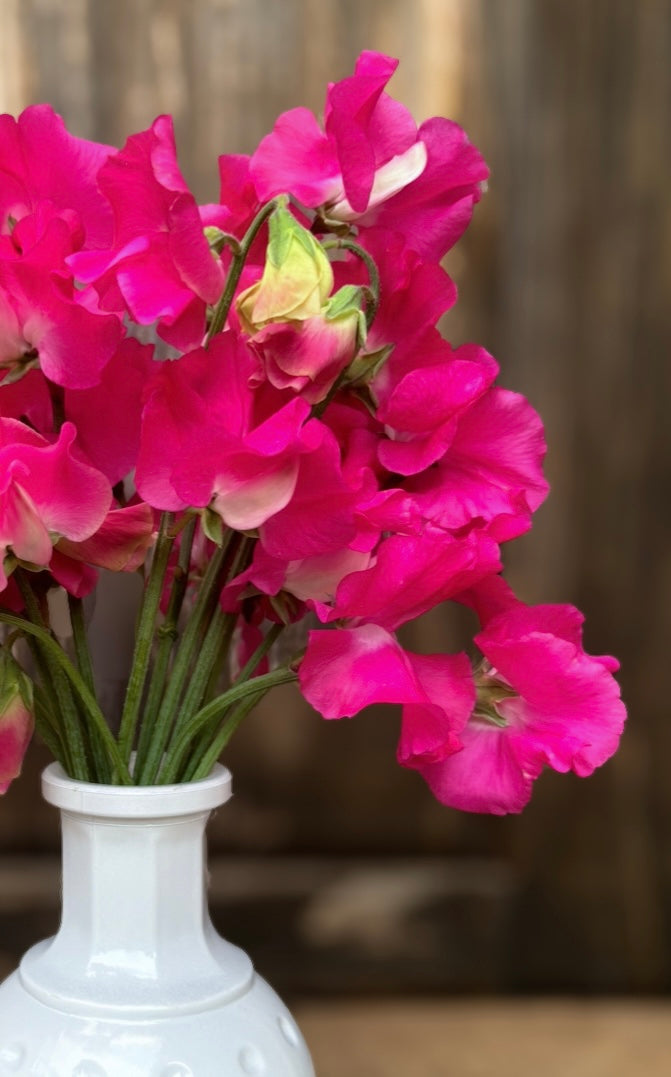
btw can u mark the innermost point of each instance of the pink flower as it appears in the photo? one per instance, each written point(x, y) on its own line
point(411, 574)
point(308, 356)
point(16, 718)
point(345, 670)
point(491, 472)
point(42, 162)
point(371, 155)
point(413, 293)
point(209, 438)
point(28, 399)
point(423, 392)
point(43, 317)
point(160, 267)
point(542, 702)
point(107, 416)
point(45, 491)
point(120, 543)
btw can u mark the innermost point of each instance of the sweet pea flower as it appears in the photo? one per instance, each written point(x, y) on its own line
point(414, 293)
point(41, 162)
point(209, 438)
point(159, 267)
point(308, 356)
point(411, 574)
point(542, 702)
point(345, 670)
point(423, 390)
point(369, 156)
point(16, 718)
point(113, 444)
point(491, 473)
point(44, 319)
point(46, 492)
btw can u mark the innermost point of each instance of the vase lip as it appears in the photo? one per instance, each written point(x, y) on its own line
point(135, 801)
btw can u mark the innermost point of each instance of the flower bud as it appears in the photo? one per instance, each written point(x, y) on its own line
point(297, 278)
point(310, 355)
point(16, 718)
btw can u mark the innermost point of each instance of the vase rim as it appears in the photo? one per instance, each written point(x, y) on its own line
point(135, 801)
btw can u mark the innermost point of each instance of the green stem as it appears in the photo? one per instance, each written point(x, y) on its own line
point(145, 637)
point(224, 305)
point(228, 728)
point(204, 741)
point(50, 703)
point(373, 273)
point(216, 709)
point(210, 649)
point(85, 666)
point(49, 732)
point(66, 706)
point(62, 662)
point(167, 634)
point(207, 597)
point(220, 660)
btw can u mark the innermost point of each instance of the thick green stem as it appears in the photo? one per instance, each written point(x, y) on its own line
point(228, 727)
point(51, 648)
point(224, 305)
point(49, 731)
point(144, 637)
point(208, 656)
point(85, 666)
point(67, 709)
point(167, 634)
point(205, 739)
point(207, 597)
point(216, 709)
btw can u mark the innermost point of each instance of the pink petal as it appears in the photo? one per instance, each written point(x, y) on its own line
point(297, 157)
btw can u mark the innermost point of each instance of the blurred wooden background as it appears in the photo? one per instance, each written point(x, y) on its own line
point(565, 275)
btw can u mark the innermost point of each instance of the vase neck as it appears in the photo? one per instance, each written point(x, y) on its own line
point(135, 930)
point(133, 891)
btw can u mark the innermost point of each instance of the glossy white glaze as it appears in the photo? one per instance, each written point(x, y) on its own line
point(137, 983)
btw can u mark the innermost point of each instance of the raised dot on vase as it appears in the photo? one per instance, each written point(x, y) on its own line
point(12, 1056)
point(252, 1062)
point(87, 1068)
point(288, 1030)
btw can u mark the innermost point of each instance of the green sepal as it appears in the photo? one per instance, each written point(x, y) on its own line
point(363, 369)
point(213, 526)
point(13, 682)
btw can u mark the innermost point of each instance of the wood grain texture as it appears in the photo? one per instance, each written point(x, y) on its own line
point(515, 1039)
point(565, 275)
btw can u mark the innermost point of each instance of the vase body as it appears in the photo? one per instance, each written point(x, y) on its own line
point(137, 982)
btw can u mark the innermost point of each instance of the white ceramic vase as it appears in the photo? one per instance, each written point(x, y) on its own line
point(137, 982)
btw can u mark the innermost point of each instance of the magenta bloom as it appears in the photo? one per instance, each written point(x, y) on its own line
point(42, 162)
point(491, 472)
point(411, 574)
point(41, 311)
point(45, 491)
point(159, 267)
point(113, 444)
point(210, 438)
point(542, 702)
point(371, 164)
point(345, 670)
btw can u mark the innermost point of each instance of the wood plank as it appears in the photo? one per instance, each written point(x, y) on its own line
point(478, 1039)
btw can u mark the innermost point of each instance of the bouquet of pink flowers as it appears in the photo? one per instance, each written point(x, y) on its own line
point(249, 402)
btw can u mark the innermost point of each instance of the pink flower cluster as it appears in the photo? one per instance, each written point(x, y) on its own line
point(376, 468)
